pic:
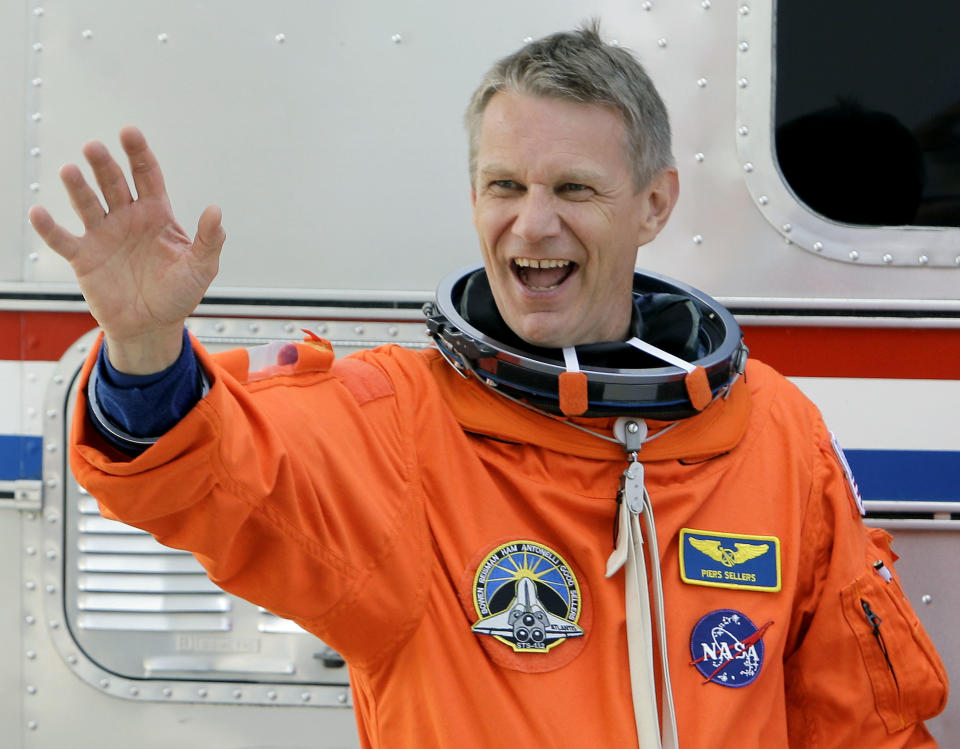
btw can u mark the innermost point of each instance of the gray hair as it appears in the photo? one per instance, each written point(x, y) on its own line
point(579, 66)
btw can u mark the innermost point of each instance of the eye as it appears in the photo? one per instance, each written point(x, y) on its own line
point(504, 185)
point(574, 190)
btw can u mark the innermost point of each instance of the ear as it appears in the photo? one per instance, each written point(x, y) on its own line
point(659, 198)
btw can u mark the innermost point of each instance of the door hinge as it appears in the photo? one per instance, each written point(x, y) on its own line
point(23, 494)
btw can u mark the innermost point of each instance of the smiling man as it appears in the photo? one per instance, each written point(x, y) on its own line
point(572, 523)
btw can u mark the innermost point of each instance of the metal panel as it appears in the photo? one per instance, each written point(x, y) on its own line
point(330, 133)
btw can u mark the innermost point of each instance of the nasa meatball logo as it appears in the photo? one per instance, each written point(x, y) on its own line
point(527, 597)
point(727, 648)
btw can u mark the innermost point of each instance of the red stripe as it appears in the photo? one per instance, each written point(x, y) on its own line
point(41, 336)
point(795, 350)
point(907, 353)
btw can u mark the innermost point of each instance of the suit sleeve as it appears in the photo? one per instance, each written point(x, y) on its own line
point(291, 484)
point(864, 672)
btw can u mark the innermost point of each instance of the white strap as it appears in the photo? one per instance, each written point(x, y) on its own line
point(629, 552)
point(570, 360)
point(669, 358)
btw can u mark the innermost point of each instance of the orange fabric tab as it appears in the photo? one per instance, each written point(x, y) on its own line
point(235, 361)
point(698, 388)
point(573, 393)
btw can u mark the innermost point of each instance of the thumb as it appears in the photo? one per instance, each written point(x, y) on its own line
point(210, 234)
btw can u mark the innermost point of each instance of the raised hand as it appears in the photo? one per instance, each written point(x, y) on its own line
point(141, 274)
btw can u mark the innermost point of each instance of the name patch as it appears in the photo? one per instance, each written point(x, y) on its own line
point(727, 560)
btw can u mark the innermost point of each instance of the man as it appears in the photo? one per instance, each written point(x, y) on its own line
point(453, 534)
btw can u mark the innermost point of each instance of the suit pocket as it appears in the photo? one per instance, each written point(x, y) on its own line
point(909, 681)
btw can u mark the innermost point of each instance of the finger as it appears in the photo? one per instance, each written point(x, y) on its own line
point(57, 238)
point(143, 164)
point(82, 197)
point(210, 234)
point(109, 175)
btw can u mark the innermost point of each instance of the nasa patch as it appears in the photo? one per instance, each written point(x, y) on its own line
point(527, 597)
point(728, 560)
point(727, 648)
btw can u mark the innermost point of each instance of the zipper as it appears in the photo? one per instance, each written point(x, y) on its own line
point(875, 621)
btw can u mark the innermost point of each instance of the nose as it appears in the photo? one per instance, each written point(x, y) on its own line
point(537, 217)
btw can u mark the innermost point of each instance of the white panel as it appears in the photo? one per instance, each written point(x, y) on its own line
point(879, 414)
point(13, 148)
point(338, 153)
point(36, 377)
point(10, 407)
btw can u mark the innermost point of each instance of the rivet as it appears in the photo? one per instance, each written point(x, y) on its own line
point(219, 327)
point(854, 255)
point(134, 691)
point(37, 82)
point(322, 328)
point(280, 38)
point(926, 598)
point(271, 694)
point(699, 156)
point(956, 260)
point(30, 551)
point(37, 47)
point(396, 39)
point(31, 516)
point(787, 241)
point(51, 588)
point(887, 259)
point(743, 46)
point(30, 619)
point(646, 6)
point(237, 694)
point(763, 200)
point(254, 327)
point(32, 725)
point(633, 427)
point(51, 554)
point(818, 246)
point(201, 692)
point(744, 10)
point(35, 151)
point(72, 659)
point(87, 34)
point(51, 483)
point(53, 624)
point(289, 328)
point(702, 82)
point(34, 187)
point(743, 83)
point(51, 447)
point(30, 585)
point(342, 698)
point(104, 683)
point(82, 348)
point(51, 413)
point(748, 167)
point(163, 38)
point(305, 697)
point(787, 228)
point(527, 39)
point(705, 4)
point(743, 130)
point(393, 331)
point(358, 329)
point(31, 655)
point(698, 239)
point(923, 260)
point(31, 689)
point(662, 42)
point(166, 692)
point(39, 12)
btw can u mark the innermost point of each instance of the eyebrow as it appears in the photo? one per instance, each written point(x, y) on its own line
point(576, 176)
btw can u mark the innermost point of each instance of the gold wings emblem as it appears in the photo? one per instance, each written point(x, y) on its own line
point(729, 557)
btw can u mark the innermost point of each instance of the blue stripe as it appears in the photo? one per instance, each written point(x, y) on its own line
point(21, 457)
point(919, 475)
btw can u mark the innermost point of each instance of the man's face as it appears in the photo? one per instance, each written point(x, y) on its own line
point(559, 219)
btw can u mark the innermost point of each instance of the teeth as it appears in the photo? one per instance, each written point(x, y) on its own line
point(527, 262)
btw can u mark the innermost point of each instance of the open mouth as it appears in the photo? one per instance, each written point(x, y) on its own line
point(542, 275)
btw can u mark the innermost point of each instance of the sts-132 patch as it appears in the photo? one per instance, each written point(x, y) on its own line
point(527, 597)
